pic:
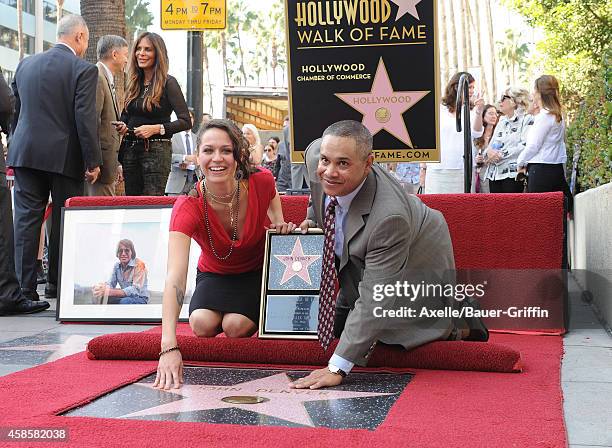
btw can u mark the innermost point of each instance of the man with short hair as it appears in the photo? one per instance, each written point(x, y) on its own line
point(376, 237)
point(112, 54)
point(55, 143)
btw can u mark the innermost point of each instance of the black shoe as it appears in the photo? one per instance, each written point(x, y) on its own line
point(478, 330)
point(50, 291)
point(27, 306)
point(30, 294)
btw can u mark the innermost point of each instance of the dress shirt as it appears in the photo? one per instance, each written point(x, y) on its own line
point(344, 202)
point(184, 136)
point(451, 141)
point(110, 76)
point(545, 141)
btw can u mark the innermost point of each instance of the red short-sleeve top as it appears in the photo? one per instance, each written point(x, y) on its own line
point(188, 218)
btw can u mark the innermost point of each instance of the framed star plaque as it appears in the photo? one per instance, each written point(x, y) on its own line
point(290, 285)
point(373, 61)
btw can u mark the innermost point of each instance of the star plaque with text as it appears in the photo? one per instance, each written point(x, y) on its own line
point(373, 61)
point(291, 280)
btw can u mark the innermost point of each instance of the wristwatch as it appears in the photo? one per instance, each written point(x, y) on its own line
point(336, 370)
point(162, 130)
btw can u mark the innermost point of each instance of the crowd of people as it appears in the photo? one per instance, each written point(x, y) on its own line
point(517, 144)
point(74, 139)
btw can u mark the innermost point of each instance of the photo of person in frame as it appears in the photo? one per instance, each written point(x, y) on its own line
point(128, 283)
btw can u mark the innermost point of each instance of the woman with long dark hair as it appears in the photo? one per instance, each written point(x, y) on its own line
point(226, 215)
point(447, 176)
point(481, 162)
point(151, 97)
point(545, 154)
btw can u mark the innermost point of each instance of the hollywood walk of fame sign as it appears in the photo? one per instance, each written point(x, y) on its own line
point(373, 61)
point(290, 292)
point(361, 402)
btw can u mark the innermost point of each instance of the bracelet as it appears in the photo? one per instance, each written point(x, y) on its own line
point(168, 350)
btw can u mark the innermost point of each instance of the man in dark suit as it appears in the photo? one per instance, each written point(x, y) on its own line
point(11, 299)
point(379, 237)
point(183, 171)
point(112, 57)
point(55, 143)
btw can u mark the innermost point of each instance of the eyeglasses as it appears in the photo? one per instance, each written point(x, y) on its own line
point(124, 251)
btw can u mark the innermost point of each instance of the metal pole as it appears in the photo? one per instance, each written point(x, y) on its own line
point(195, 89)
point(463, 101)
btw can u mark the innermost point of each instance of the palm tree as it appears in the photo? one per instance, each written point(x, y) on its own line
point(206, 39)
point(491, 39)
point(513, 55)
point(453, 38)
point(137, 18)
point(443, 42)
point(20, 34)
point(104, 17)
point(243, 20)
point(277, 31)
point(60, 9)
point(465, 43)
point(479, 38)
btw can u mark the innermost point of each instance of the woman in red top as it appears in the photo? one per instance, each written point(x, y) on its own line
point(226, 215)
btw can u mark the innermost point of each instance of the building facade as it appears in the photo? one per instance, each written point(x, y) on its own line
point(39, 22)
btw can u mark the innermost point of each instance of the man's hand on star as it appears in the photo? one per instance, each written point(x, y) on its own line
point(317, 379)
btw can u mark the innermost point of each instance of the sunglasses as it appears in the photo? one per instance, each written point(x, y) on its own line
point(124, 251)
point(505, 97)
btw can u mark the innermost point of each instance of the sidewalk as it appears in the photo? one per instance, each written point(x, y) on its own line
point(30, 340)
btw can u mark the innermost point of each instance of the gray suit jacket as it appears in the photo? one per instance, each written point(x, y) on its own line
point(179, 178)
point(389, 237)
point(107, 111)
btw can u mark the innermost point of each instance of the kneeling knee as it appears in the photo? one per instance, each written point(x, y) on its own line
point(202, 329)
point(238, 328)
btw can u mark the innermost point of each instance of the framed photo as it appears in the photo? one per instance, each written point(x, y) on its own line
point(113, 263)
point(290, 285)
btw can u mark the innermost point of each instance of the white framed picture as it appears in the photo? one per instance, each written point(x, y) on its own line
point(113, 263)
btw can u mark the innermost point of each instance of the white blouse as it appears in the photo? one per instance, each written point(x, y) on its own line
point(545, 141)
point(451, 142)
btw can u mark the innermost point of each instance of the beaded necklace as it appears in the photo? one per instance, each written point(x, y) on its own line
point(233, 218)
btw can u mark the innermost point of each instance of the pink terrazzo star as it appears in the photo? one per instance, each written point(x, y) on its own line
point(382, 107)
point(73, 344)
point(297, 263)
point(284, 403)
point(406, 6)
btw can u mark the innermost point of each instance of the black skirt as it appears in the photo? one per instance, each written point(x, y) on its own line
point(228, 293)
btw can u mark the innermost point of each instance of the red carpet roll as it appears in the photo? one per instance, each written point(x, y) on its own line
point(441, 355)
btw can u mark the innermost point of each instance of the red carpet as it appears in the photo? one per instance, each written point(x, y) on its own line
point(438, 409)
point(439, 355)
point(513, 242)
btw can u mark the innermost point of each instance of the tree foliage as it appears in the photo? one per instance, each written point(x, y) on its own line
point(589, 135)
point(577, 35)
point(576, 49)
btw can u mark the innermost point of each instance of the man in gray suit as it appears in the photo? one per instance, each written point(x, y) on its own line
point(184, 162)
point(383, 237)
point(112, 57)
